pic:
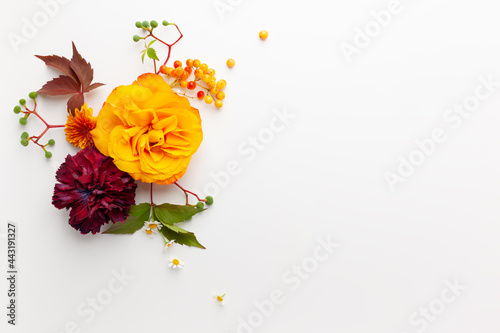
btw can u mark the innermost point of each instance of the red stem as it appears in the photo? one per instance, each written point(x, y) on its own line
point(169, 45)
point(151, 194)
point(47, 126)
point(186, 192)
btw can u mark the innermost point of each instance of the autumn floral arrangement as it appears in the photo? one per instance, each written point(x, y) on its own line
point(146, 131)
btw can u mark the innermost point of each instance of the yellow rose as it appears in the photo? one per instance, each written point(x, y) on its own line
point(149, 131)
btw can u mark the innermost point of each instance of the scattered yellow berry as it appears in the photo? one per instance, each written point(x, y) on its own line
point(211, 84)
point(183, 83)
point(214, 91)
point(204, 67)
point(189, 62)
point(208, 99)
point(230, 63)
point(211, 71)
point(263, 34)
point(196, 63)
point(218, 103)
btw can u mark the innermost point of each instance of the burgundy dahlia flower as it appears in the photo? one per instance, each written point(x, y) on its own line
point(94, 189)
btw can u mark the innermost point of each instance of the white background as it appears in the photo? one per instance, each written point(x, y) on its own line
point(321, 176)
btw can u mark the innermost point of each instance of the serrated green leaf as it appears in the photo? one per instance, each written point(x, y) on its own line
point(170, 214)
point(151, 43)
point(152, 54)
point(138, 214)
point(180, 236)
point(176, 228)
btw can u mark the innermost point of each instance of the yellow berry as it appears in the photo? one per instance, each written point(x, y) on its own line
point(221, 84)
point(183, 83)
point(207, 78)
point(211, 84)
point(196, 63)
point(198, 73)
point(204, 67)
point(230, 63)
point(218, 103)
point(189, 62)
point(211, 71)
point(214, 91)
point(221, 95)
point(185, 75)
point(208, 99)
point(263, 34)
point(169, 70)
point(178, 71)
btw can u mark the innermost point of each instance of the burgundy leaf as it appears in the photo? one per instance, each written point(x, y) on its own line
point(94, 86)
point(75, 102)
point(62, 85)
point(82, 69)
point(60, 63)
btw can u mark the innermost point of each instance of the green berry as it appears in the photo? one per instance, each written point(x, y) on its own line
point(138, 24)
point(33, 95)
point(145, 24)
point(200, 205)
point(23, 121)
point(154, 24)
point(22, 101)
point(51, 142)
point(24, 142)
point(48, 154)
point(210, 200)
point(136, 38)
point(25, 135)
point(17, 109)
point(165, 22)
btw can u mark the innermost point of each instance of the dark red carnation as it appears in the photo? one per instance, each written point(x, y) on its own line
point(94, 189)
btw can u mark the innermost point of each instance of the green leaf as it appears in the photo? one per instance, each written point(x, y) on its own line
point(143, 57)
point(138, 214)
point(170, 214)
point(151, 43)
point(180, 236)
point(152, 54)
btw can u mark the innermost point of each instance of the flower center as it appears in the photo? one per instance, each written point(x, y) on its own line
point(175, 262)
point(220, 299)
point(149, 232)
point(152, 226)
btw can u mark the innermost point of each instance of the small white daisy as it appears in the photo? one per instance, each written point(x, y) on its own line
point(175, 262)
point(150, 227)
point(168, 245)
point(220, 299)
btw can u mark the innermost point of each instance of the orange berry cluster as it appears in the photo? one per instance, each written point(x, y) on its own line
point(196, 74)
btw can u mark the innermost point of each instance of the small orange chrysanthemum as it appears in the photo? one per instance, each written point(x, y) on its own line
point(78, 128)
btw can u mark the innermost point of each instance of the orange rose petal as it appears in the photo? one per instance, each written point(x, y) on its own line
point(149, 131)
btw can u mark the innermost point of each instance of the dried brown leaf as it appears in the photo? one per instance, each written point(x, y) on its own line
point(62, 85)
